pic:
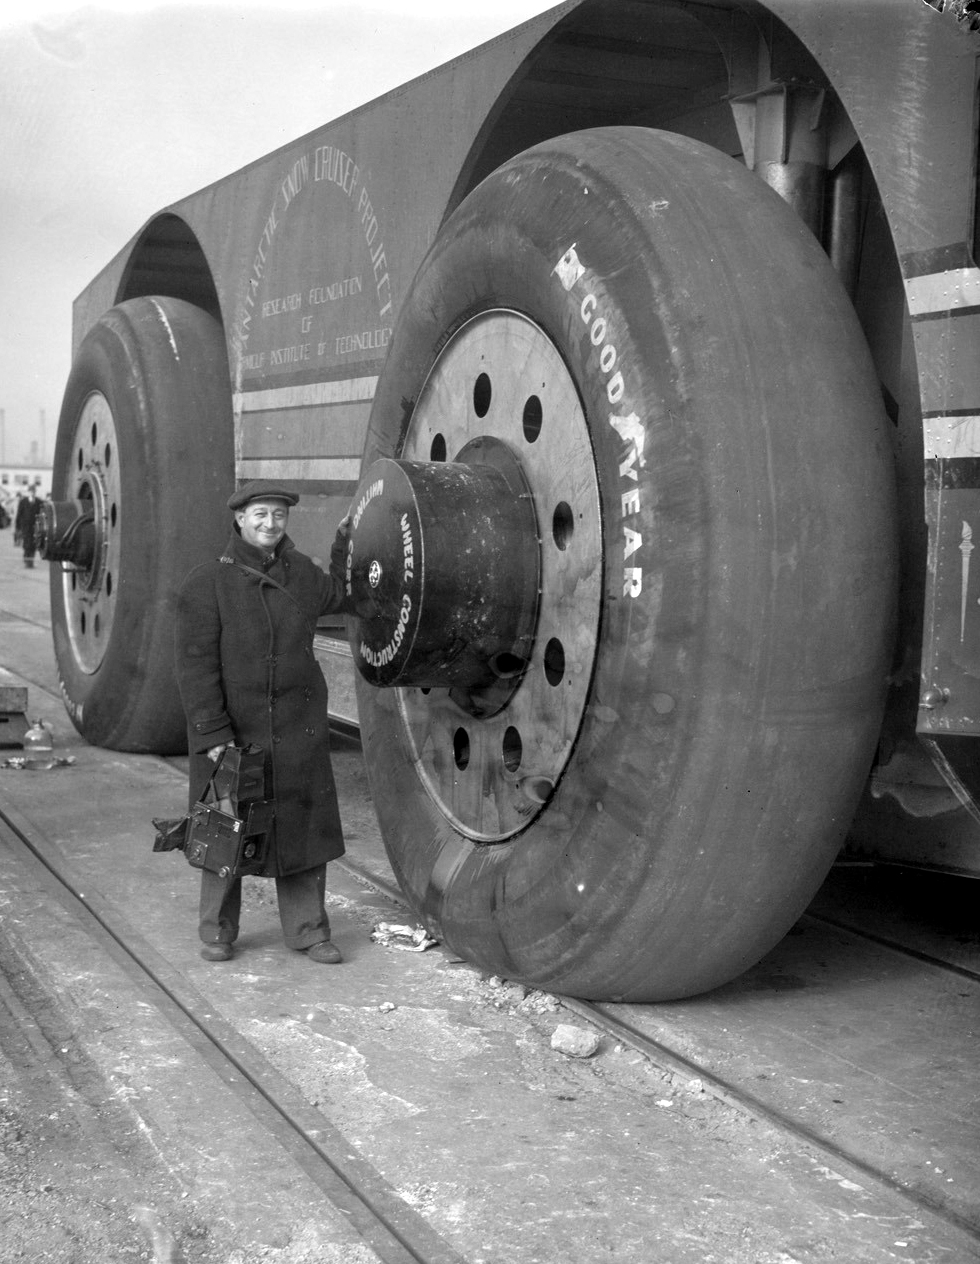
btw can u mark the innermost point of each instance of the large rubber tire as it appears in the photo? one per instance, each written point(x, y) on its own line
point(733, 701)
point(146, 434)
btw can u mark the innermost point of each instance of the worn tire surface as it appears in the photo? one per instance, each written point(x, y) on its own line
point(749, 569)
point(152, 374)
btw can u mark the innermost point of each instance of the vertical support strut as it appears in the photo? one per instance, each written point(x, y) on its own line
point(797, 138)
point(788, 148)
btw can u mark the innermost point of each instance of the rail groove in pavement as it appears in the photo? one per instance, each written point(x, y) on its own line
point(396, 1233)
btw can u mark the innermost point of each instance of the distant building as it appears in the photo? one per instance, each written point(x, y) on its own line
point(18, 478)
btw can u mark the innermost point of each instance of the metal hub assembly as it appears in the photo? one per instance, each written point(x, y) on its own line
point(83, 533)
point(445, 563)
point(476, 564)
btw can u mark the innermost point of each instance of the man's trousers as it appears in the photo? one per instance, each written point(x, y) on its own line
point(301, 910)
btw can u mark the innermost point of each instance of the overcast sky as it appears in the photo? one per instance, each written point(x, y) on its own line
point(110, 112)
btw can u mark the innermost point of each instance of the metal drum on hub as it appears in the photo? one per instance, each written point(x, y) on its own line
point(443, 563)
point(66, 532)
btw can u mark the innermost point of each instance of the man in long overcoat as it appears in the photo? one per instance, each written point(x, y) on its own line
point(247, 676)
point(25, 525)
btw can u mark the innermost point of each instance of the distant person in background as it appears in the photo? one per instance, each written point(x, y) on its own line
point(25, 525)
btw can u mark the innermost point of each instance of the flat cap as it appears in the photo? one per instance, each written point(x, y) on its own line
point(260, 489)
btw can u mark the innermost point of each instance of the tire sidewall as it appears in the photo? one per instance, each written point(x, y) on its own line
point(161, 366)
point(668, 723)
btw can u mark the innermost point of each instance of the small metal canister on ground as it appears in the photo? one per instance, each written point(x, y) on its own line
point(38, 737)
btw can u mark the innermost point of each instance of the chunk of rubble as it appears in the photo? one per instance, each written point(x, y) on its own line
point(577, 1042)
point(409, 938)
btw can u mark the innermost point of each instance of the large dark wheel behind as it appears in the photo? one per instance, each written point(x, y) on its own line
point(669, 783)
point(145, 444)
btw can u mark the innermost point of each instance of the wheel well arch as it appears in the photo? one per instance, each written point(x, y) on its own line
point(167, 258)
point(664, 64)
point(596, 69)
point(681, 66)
point(674, 65)
point(697, 69)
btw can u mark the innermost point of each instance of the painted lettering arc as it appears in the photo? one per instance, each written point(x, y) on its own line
point(572, 273)
point(316, 306)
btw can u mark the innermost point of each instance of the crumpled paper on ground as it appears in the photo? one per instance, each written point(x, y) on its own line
point(410, 938)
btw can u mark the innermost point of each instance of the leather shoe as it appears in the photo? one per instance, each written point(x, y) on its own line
point(217, 952)
point(325, 953)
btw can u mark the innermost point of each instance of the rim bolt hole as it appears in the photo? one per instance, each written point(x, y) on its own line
point(507, 666)
point(554, 662)
point(461, 748)
point(513, 750)
point(481, 395)
point(108, 455)
point(532, 418)
point(95, 434)
point(563, 524)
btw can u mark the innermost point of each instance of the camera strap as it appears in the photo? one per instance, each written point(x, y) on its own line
point(210, 795)
point(267, 579)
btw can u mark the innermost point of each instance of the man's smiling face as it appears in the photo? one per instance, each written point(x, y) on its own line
point(263, 523)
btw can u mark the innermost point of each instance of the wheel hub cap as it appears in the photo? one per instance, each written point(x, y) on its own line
point(496, 494)
point(82, 532)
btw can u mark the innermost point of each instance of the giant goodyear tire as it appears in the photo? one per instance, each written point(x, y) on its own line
point(145, 439)
point(668, 353)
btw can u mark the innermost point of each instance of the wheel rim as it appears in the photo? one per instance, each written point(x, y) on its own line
point(93, 479)
point(500, 376)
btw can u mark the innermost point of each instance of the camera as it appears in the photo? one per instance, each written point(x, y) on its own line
point(235, 843)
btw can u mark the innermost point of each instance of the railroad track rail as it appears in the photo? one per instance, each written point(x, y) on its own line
point(614, 1022)
point(905, 950)
point(385, 1222)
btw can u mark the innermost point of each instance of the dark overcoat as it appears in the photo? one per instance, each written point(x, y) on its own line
point(25, 523)
point(247, 674)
